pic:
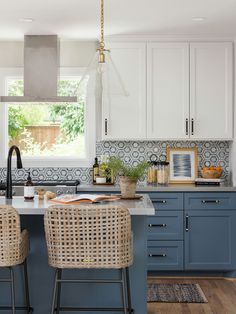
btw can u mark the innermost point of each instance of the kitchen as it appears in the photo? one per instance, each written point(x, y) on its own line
point(155, 104)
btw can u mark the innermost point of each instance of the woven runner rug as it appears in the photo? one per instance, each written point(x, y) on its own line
point(176, 293)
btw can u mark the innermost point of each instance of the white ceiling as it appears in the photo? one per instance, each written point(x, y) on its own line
point(79, 19)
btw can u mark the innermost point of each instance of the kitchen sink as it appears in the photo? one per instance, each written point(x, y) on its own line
point(16, 190)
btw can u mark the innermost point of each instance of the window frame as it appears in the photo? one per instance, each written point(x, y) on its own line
point(41, 161)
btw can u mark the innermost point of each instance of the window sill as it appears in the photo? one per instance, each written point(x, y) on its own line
point(43, 162)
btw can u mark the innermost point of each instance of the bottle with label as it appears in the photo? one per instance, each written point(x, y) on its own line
point(95, 170)
point(29, 189)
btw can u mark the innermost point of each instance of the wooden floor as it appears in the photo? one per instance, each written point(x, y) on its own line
point(220, 293)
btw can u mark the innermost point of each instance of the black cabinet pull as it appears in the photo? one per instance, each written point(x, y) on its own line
point(157, 255)
point(186, 126)
point(210, 201)
point(157, 225)
point(186, 223)
point(160, 201)
point(192, 126)
point(105, 126)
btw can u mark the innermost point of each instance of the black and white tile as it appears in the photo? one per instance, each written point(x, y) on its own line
point(209, 153)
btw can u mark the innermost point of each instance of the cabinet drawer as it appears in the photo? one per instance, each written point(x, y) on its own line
point(165, 255)
point(214, 201)
point(167, 201)
point(166, 225)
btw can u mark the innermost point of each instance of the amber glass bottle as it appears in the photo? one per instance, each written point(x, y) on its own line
point(95, 170)
point(29, 189)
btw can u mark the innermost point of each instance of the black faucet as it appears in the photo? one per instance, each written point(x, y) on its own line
point(19, 166)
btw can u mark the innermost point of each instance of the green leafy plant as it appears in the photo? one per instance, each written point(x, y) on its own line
point(133, 172)
point(72, 119)
point(16, 121)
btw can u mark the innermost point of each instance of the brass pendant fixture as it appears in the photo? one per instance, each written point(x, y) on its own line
point(102, 73)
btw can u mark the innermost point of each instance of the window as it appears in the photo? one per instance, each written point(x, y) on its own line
point(49, 134)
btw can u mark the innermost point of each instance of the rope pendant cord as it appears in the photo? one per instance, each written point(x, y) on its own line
point(102, 43)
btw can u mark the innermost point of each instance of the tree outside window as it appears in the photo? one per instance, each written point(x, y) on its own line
point(48, 129)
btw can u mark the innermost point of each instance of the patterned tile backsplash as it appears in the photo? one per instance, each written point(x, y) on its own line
point(209, 153)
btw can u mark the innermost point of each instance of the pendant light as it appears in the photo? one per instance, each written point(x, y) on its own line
point(102, 71)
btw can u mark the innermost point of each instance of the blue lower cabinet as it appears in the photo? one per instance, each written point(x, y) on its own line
point(210, 201)
point(165, 255)
point(166, 225)
point(210, 240)
point(167, 201)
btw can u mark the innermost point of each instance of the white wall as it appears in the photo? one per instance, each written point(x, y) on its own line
point(11, 54)
point(233, 144)
point(72, 53)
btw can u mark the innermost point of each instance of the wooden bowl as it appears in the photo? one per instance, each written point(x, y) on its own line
point(211, 174)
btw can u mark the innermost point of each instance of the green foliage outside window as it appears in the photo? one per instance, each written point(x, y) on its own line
point(69, 116)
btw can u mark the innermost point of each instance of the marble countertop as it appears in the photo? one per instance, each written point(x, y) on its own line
point(159, 188)
point(141, 207)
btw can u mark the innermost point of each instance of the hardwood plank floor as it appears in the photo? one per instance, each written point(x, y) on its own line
point(220, 293)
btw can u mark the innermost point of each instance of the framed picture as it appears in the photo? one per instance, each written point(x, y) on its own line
point(183, 164)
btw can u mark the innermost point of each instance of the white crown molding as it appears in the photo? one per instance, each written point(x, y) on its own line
point(166, 38)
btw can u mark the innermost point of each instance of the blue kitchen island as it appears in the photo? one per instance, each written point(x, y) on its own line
point(41, 275)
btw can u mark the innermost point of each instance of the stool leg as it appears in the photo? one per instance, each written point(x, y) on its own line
point(59, 291)
point(123, 291)
point(128, 290)
point(27, 298)
point(54, 293)
point(12, 291)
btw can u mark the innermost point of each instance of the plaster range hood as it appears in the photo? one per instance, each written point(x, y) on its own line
point(41, 67)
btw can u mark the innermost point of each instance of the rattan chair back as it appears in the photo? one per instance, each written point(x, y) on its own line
point(88, 236)
point(13, 244)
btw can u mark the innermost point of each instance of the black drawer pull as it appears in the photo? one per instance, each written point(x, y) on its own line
point(210, 201)
point(157, 255)
point(186, 223)
point(192, 126)
point(186, 127)
point(160, 201)
point(105, 126)
point(157, 225)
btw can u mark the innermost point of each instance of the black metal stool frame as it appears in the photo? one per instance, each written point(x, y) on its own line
point(11, 280)
point(124, 282)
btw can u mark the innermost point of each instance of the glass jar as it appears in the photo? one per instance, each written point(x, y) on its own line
point(163, 173)
point(152, 170)
point(152, 173)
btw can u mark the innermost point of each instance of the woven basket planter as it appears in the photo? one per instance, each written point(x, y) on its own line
point(127, 187)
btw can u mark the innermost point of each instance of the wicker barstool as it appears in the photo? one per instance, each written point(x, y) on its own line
point(14, 248)
point(89, 236)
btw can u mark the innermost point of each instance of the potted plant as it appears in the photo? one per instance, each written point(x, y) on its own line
point(129, 175)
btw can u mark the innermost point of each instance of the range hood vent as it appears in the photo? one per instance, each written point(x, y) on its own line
point(41, 59)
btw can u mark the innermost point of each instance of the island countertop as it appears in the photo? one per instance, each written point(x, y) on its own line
point(140, 207)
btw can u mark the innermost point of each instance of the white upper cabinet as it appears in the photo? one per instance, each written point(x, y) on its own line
point(124, 118)
point(168, 91)
point(177, 91)
point(211, 90)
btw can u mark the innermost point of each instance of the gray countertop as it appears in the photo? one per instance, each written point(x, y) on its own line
point(142, 207)
point(158, 188)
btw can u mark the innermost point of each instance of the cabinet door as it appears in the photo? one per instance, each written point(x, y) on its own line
point(211, 90)
point(168, 91)
point(210, 240)
point(125, 116)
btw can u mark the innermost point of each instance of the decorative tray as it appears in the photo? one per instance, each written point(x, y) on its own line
point(136, 197)
point(107, 183)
